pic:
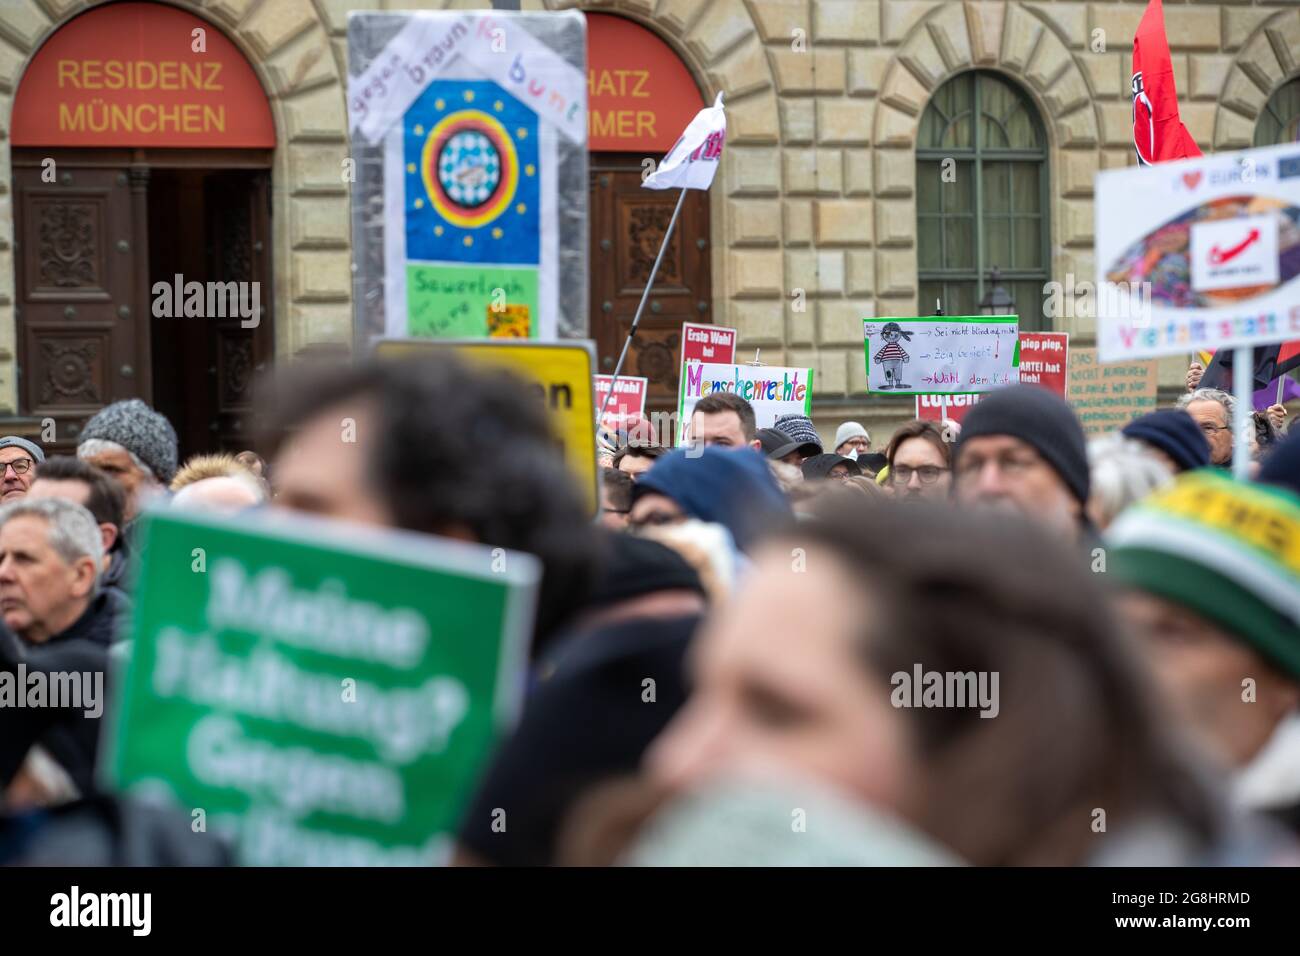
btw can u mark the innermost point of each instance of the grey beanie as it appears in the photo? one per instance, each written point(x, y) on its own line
point(140, 430)
point(33, 449)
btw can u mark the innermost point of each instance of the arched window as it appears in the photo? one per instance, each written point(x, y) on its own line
point(982, 198)
point(1280, 121)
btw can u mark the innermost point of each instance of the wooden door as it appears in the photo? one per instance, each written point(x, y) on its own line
point(239, 242)
point(81, 292)
point(627, 225)
point(216, 224)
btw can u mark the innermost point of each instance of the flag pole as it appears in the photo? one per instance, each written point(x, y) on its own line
point(1243, 384)
point(636, 319)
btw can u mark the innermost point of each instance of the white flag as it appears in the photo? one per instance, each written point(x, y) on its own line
point(694, 158)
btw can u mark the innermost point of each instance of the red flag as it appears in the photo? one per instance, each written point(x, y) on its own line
point(1158, 134)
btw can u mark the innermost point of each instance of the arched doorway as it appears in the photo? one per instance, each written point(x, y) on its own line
point(640, 98)
point(142, 145)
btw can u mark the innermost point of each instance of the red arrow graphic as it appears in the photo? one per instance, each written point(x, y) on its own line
point(1219, 256)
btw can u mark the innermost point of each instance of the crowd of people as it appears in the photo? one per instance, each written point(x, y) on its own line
point(988, 643)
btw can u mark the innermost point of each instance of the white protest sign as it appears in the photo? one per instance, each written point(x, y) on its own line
point(499, 49)
point(773, 391)
point(951, 354)
point(1198, 254)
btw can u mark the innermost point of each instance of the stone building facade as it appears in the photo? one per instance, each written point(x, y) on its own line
point(818, 189)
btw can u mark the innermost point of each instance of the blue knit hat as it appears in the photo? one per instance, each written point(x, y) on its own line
point(1175, 433)
point(732, 488)
point(33, 449)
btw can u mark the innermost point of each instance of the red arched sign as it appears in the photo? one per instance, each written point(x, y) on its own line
point(137, 74)
point(640, 96)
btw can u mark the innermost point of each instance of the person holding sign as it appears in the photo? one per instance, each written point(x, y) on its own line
point(1213, 410)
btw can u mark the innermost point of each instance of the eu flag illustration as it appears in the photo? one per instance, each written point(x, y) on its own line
point(471, 152)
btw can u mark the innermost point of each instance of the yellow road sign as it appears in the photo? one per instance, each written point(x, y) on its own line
point(562, 372)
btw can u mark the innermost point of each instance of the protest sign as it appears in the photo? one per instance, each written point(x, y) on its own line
point(930, 408)
point(628, 401)
point(562, 374)
point(325, 694)
point(940, 354)
point(1107, 396)
point(1044, 360)
point(773, 391)
point(1198, 254)
point(708, 343)
point(469, 138)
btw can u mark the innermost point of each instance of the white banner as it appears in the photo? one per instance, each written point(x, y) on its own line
point(693, 161)
point(1199, 254)
point(772, 391)
point(941, 354)
point(503, 52)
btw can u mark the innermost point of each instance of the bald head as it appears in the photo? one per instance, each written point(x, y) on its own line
point(225, 494)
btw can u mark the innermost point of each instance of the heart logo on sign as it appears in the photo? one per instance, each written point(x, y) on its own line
point(1191, 179)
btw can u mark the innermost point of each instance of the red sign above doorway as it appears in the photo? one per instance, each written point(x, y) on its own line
point(137, 74)
point(640, 96)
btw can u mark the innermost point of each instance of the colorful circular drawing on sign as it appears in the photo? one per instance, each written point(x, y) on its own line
point(470, 168)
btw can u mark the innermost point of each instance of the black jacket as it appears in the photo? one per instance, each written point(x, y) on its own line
point(71, 737)
point(588, 720)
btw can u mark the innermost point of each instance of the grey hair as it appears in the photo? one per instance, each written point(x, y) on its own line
point(71, 530)
point(1209, 395)
point(1123, 471)
point(98, 446)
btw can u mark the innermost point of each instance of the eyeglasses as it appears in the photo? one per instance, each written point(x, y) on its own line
point(20, 466)
point(1012, 464)
point(656, 518)
point(616, 511)
point(929, 474)
point(1211, 429)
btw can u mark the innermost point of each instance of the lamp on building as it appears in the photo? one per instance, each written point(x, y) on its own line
point(997, 301)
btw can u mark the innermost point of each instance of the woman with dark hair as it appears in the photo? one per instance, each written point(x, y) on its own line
point(975, 688)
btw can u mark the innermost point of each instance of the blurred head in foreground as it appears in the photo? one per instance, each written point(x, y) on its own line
point(992, 705)
point(433, 445)
point(1212, 568)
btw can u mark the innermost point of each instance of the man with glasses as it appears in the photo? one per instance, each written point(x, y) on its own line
point(920, 462)
point(1022, 448)
point(19, 458)
point(1212, 409)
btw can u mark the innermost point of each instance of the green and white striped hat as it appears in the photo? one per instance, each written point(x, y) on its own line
point(1227, 550)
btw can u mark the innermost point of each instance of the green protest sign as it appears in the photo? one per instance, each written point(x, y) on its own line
point(325, 693)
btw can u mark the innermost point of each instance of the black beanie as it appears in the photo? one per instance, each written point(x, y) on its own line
point(1176, 434)
point(632, 567)
point(1038, 418)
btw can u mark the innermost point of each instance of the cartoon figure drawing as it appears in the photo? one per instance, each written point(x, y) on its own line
point(892, 356)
